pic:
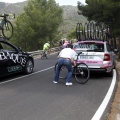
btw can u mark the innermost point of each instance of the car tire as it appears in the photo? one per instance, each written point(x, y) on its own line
point(114, 64)
point(29, 67)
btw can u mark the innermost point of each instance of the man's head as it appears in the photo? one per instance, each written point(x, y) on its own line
point(48, 42)
point(70, 46)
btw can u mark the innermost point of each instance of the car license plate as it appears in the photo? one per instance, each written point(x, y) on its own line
point(86, 57)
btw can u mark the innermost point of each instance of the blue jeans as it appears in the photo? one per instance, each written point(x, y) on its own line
point(68, 64)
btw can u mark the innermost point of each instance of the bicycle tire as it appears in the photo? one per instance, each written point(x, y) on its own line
point(7, 30)
point(79, 31)
point(85, 31)
point(47, 55)
point(89, 31)
point(96, 31)
point(42, 55)
point(82, 73)
point(63, 71)
point(102, 31)
point(92, 30)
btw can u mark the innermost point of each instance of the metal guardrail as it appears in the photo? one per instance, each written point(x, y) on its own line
point(39, 52)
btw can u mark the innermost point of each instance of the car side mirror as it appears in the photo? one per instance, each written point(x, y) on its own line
point(116, 50)
point(20, 49)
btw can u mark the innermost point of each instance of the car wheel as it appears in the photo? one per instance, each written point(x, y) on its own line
point(29, 67)
point(114, 64)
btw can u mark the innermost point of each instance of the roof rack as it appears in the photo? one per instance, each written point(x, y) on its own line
point(92, 31)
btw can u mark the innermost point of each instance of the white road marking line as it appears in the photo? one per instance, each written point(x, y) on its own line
point(105, 102)
point(26, 75)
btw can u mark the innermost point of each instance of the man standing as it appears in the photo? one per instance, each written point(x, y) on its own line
point(66, 58)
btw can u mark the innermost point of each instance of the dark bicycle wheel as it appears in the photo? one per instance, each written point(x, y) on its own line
point(79, 31)
point(63, 71)
point(92, 30)
point(89, 31)
point(47, 54)
point(82, 73)
point(103, 27)
point(85, 31)
point(96, 31)
point(42, 55)
point(7, 30)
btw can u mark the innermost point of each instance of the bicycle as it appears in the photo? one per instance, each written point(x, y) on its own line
point(80, 71)
point(45, 54)
point(6, 26)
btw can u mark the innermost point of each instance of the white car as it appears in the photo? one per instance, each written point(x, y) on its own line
point(98, 55)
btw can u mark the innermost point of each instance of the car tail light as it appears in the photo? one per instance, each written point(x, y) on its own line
point(106, 57)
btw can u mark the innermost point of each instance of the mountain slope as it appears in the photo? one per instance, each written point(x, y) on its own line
point(70, 15)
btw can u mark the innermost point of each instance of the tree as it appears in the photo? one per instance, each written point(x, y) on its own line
point(106, 11)
point(72, 35)
point(38, 24)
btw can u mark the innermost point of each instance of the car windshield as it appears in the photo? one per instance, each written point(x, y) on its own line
point(98, 47)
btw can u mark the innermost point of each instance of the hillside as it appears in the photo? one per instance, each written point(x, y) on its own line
point(16, 8)
point(70, 16)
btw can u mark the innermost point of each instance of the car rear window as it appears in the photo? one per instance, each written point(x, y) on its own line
point(98, 47)
point(77, 46)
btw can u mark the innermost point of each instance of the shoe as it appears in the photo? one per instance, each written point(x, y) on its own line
point(55, 82)
point(68, 83)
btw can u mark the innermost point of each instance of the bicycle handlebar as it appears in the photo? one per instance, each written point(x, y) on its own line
point(6, 15)
point(78, 55)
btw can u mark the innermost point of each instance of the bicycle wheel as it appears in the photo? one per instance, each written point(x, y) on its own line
point(89, 31)
point(82, 73)
point(42, 55)
point(85, 31)
point(96, 31)
point(7, 30)
point(47, 54)
point(78, 31)
point(92, 32)
point(63, 71)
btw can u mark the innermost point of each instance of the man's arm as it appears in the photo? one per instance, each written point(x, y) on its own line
point(73, 62)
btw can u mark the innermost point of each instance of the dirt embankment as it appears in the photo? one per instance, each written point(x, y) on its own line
point(115, 106)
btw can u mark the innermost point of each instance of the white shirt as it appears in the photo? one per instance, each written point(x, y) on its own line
point(67, 53)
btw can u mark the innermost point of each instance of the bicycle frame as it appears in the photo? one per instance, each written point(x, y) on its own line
point(4, 16)
point(45, 54)
point(2, 22)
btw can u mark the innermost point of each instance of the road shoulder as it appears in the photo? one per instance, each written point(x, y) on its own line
point(115, 106)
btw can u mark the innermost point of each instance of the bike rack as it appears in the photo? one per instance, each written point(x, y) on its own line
point(92, 31)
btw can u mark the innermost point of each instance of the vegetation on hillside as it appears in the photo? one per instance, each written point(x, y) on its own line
point(65, 28)
point(70, 17)
point(37, 24)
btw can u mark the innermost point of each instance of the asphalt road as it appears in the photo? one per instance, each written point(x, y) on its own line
point(36, 97)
